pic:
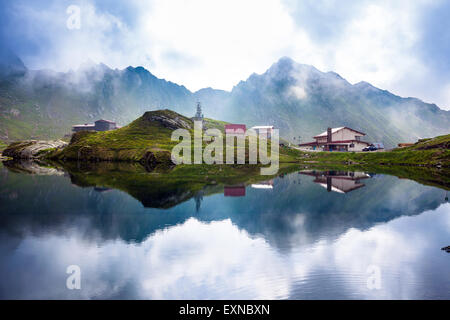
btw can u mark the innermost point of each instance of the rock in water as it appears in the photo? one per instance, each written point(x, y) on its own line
point(32, 149)
point(447, 248)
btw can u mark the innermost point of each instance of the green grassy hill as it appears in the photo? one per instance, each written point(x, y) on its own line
point(147, 139)
point(440, 142)
point(3, 146)
point(150, 133)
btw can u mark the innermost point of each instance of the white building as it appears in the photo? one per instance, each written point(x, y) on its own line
point(337, 139)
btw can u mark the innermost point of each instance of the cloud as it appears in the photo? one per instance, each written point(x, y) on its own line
point(324, 20)
point(397, 46)
point(178, 263)
point(297, 92)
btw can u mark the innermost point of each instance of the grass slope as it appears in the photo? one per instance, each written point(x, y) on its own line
point(129, 143)
point(3, 146)
point(134, 141)
point(427, 152)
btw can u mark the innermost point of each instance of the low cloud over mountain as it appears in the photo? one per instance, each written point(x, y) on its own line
point(299, 99)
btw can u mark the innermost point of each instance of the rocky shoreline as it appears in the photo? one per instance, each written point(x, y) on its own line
point(32, 149)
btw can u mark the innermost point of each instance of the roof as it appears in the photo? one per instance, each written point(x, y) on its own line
point(108, 121)
point(86, 125)
point(235, 126)
point(333, 130)
point(262, 127)
point(314, 143)
point(336, 189)
point(333, 188)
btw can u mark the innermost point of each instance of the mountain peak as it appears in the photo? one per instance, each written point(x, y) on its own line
point(364, 84)
point(11, 64)
point(141, 71)
point(89, 67)
point(285, 60)
point(286, 63)
point(285, 66)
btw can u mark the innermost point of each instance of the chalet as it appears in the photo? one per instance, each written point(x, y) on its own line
point(99, 125)
point(236, 129)
point(337, 139)
point(265, 130)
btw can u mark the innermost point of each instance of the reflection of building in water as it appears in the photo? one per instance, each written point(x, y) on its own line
point(338, 181)
point(234, 191)
point(263, 185)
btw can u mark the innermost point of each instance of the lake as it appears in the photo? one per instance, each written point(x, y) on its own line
point(304, 235)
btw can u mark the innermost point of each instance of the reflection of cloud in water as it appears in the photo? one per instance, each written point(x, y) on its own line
point(199, 260)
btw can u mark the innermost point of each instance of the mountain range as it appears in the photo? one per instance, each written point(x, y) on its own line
point(298, 99)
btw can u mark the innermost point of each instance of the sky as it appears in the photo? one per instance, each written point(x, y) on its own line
point(402, 46)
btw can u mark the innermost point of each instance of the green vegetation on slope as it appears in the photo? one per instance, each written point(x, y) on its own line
point(146, 138)
point(129, 143)
point(214, 124)
point(2, 146)
point(440, 142)
point(428, 152)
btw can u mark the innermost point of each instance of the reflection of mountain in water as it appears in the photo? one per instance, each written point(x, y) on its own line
point(338, 181)
point(32, 167)
point(294, 209)
point(151, 189)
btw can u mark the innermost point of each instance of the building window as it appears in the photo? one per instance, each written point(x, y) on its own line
point(352, 145)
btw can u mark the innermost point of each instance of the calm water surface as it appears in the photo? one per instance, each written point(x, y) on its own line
point(306, 235)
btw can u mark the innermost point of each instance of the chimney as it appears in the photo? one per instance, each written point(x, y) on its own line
point(329, 138)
